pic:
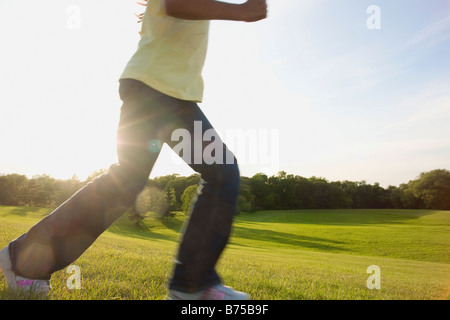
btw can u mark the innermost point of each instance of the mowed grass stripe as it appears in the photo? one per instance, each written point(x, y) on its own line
point(409, 234)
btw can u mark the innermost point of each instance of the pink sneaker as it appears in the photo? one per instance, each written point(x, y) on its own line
point(217, 292)
point(41, 287)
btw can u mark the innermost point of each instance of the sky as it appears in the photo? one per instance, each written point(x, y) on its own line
point(340, 89)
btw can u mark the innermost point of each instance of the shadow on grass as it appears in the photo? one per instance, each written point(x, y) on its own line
point(347, 217)
point(286, 239)
point(148, 228)
point(31, 212)
point(174, 224)
point(140, 233)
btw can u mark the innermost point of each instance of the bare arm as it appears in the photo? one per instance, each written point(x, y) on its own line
point(252, 10)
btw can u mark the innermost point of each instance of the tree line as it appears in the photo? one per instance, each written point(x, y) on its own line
point(167, 194)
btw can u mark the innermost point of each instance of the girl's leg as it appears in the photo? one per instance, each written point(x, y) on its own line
point(147, 119)
point(207, 230)
point(61, 237)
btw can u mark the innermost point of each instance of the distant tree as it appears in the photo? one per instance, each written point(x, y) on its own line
point(95, 174)
point(134, 215)
point(281, 187)
point(63, 189)
point(407, 198)
point(187, 196)
point(244, 205)
point(303, 193)
point(246, 198)
point(433, 188)
point(260, 188)
point(139, 209)
point(394, 195)
point(177, 183)
point(41, 190)
point(158, 201)
point(378, 197)
point(172, 200)
point(320, 193)
point(170, 193)
point(340, 198)
point(13, 189)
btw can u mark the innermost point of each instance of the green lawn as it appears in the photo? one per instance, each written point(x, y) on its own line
point(302, 254)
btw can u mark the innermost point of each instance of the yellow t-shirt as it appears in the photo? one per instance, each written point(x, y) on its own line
point(171, 54)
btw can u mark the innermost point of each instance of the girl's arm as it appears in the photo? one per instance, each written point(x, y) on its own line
point(252, 10)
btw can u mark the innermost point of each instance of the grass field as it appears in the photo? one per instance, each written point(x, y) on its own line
point(273, 255)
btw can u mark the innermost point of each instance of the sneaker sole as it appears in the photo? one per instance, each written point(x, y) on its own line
point(5, 267)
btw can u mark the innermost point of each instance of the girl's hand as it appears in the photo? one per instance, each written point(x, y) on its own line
point(254, 10)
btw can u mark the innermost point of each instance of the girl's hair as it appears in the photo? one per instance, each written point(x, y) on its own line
point(141, 15)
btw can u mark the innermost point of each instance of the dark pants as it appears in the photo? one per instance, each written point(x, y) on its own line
point(147, 120)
